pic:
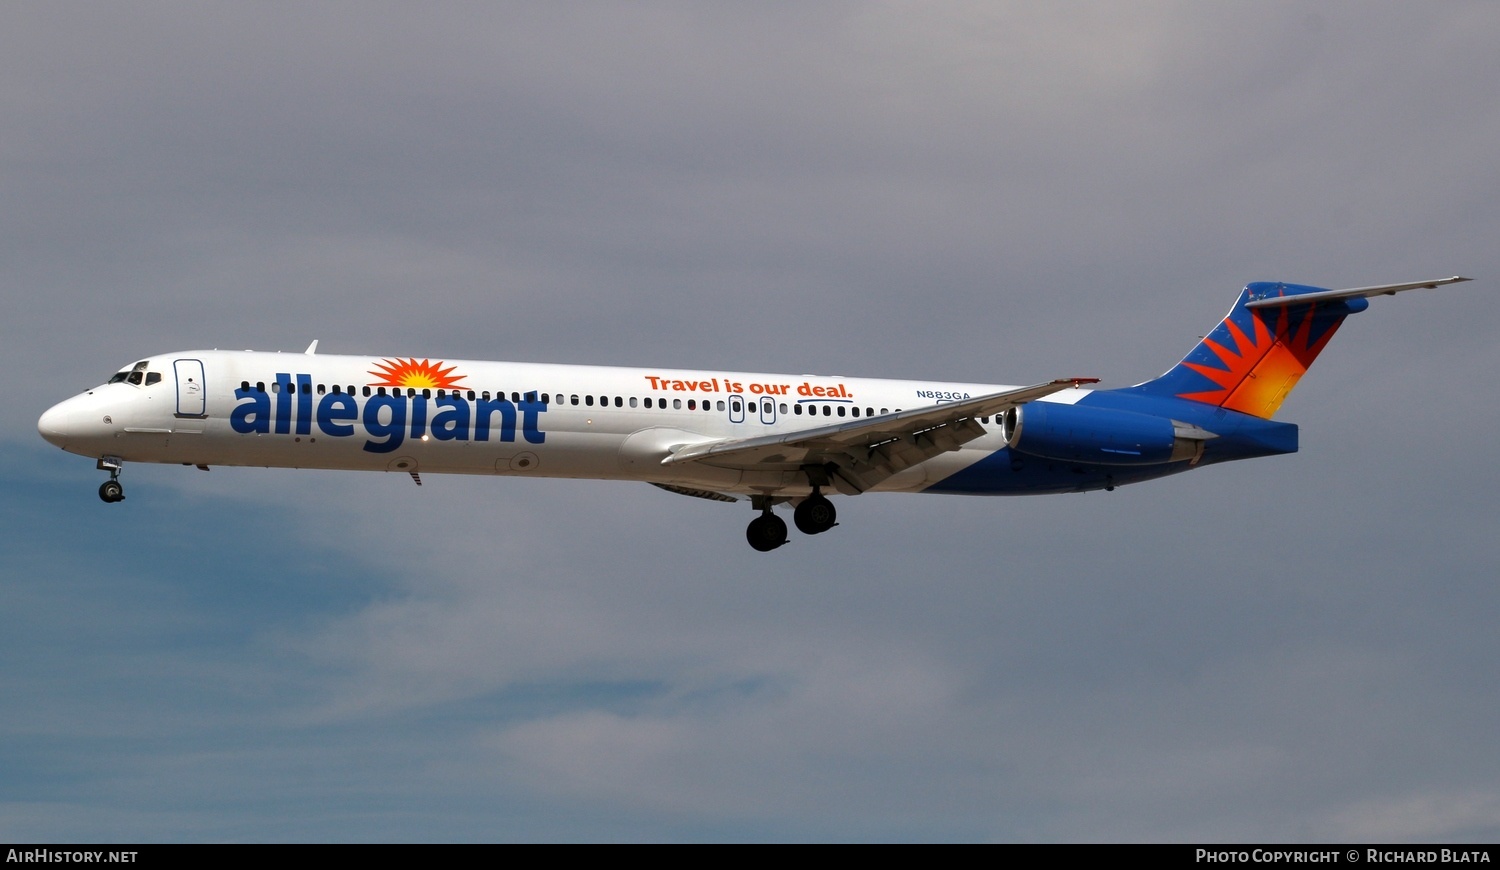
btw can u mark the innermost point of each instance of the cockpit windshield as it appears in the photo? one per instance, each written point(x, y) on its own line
point(136, 374)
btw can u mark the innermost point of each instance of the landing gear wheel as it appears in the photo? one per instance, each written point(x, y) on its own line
point(766, 532)
point(111, 491)
point(815, 515)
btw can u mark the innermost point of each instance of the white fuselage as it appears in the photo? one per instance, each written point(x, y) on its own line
point(242, 408)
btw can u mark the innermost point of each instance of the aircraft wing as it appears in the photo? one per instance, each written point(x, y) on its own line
point(860, 453)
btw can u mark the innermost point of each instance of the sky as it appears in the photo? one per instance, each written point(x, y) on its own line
point(1298, 648)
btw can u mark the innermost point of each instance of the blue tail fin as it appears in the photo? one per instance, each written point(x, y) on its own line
point(1251, 361)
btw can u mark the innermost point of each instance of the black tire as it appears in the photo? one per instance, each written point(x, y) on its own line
point(111, 491)
point(766, 532)
point(815, 515)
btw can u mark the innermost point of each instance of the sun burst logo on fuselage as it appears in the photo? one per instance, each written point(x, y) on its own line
point(419, 375)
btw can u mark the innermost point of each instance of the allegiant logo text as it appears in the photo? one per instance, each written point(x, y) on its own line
point(387, 419)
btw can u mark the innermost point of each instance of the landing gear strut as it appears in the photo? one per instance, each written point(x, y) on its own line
point(110, 490)
point(815, 514)
point(767, 531)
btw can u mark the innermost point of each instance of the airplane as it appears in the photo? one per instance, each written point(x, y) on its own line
point(772, 439)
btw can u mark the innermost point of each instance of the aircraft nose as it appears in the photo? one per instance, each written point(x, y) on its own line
point(53, 425)
point(67, 422)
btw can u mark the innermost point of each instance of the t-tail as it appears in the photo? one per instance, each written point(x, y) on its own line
point(1251, 361)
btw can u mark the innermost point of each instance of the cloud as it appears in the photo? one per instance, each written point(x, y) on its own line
point(1450, 817)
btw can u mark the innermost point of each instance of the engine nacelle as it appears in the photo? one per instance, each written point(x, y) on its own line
point(1098, 436)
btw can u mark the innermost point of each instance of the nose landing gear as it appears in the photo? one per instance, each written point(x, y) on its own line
point(110, 490)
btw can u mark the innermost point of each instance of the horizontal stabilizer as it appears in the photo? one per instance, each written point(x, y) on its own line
point(1351, 293)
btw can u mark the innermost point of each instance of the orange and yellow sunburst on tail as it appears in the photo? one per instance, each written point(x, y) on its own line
point(1258, 368)
point(419, 375)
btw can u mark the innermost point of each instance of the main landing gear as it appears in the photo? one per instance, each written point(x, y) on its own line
point(767, 531)
point(813, 516)
point(110, 490)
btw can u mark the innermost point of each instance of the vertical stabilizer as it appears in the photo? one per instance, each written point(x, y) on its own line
point(1255, 356)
